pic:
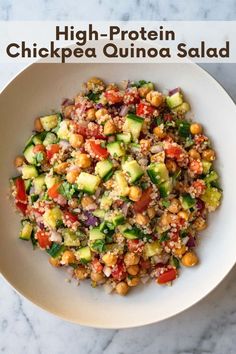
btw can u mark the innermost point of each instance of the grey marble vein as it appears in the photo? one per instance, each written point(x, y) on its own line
point(209, 326)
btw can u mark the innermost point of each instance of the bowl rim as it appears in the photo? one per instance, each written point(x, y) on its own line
point(47, 309)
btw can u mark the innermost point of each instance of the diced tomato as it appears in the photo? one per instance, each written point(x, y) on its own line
point(131, 97)
point(143, 203)
point(38, 148)
point(199, 187)
point(113, 96)
point(53, 192)
point(70, 217)
point(97, 266)
point(175, 236)
point(145, 264)
point(168, 117)
point(173, 152)
point(119, 271)
point(93, 132)
point(98, 150)
point(21, 195)
point(22, 207)
point(167, 276)
point(43, 239)
point(135, 246)
point(53, 149)
point(144, 110)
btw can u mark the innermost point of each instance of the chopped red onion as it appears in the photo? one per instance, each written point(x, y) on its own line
point(67, 102)
point(91, 219)
point(185, 240)
point(107, 271)
point(156, 148)
point(55, 237)
point(173, 91)
point(61, 200)
point(124, 110)
point(99, 105)
point(64, 144)
point(200, 205)
point(125, 208)
point(97, 193)
point(191, 242)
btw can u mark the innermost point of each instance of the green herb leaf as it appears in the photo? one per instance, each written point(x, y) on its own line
point(175, 262)
point(99, 246)
point(165, 203)
point(164, 237)
point(67, 190)
point(94, 96)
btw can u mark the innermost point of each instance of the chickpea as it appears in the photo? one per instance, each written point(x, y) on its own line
point(144, 90)
point(133, 269)
point(91, 114)
point(76, 140)
point(200, 224)
point(131, 258)
point(68, 110)
point(155, 98)
point(95, 84)
point(61, 168)
point(72, 175)
point(135, 193)
point(195, 128)
point(134, 281)
point(165, 219)
point(159, 157)
point(158, 132)
point(209, 155)
point(109, 259)
point(38, 125)
point(101, 112)
point(86, 201)
point(180, 251)
point(145, 145)
point(183, 214)
point(97, 277)
point(171, 166)
point(83, 161)
point(19, 161)
point(73, 203)
point(68, 257)
point(190, 259)
point(174, 206)
point(54, 262)
point(142, 219)
point(151, 213)
point(122, 288)
point(194, 154)
point(81, 272)
point(109, 127)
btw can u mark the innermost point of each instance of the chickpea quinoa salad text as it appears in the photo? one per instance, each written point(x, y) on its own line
point(118, 185)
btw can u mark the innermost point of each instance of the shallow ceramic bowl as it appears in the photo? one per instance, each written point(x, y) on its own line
point(38, 90)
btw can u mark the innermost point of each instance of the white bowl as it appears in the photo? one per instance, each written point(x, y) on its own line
point(38, 90)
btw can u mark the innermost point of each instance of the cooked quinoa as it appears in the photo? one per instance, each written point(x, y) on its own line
point(118, 185)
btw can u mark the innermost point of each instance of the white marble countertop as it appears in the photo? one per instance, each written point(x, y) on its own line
point(209, 326)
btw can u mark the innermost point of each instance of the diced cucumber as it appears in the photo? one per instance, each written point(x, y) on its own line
point(39, 183)
point(183, 108)
point(158, 172)
point(33, 198)
point(63, 131)
point(133, 169)
point(70, 238)
point(211, 177)
point(84, 254)
point(96, 234)
point(152, 249)
point(99, 213)
point(122, 184)
point(88, 182)
point(125, 137)
point(116, 149)
point(52, 216)
point(49, 122)
point(133, 124)
point(50, 139)
point(26, 231)
point(118, 219)
point(103, 168)
point(206, 166)
point(212, 197)
point(174, 100)
point(51, 180)
point(107, 228)
point(106, 201)
point(132, 233)
point(30, 155)
point(29, 171)
point(28, 183)
point(56, 250)
point(187, 201)
point(165, 188)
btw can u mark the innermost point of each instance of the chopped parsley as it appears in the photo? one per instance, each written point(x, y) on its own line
point(99, 246)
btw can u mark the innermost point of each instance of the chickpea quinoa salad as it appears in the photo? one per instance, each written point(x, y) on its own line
point(117, 186)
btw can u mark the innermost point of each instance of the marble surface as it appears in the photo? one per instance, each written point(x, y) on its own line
point(209, 326)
